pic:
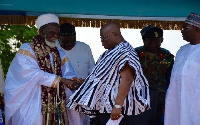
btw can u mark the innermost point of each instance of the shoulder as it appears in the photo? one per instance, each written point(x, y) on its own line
point(124, 46)
point(25, 51)
point(183, 49)
point(166, 52)
point(126, 49)
point(185, 46)
point(82, 44)
point(140, 49)
point(25, 46)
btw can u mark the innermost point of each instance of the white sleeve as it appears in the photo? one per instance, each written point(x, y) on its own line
point(24, 69)
point(91, 60)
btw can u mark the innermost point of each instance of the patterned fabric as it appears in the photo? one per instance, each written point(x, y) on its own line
point(151, 32)
point(53, 99)
point(157, 69)
point(99, 91)
point(193, 19)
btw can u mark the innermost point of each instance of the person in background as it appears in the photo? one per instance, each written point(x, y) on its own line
point(157, 64)
point(182, 99)
point(2, 86)
point(116, 86)
point(82, 61)
point(37, 78)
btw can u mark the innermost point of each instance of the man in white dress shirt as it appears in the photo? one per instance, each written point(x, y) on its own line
point(82, 61)
point(37, 78)
point(182, 99)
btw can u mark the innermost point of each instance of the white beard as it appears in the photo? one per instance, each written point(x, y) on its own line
point(50, 44)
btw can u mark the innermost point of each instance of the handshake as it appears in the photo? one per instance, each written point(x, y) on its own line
point(73, 83)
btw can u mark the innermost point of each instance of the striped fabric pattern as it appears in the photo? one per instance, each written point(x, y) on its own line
point(99, 91)
point(193, 19)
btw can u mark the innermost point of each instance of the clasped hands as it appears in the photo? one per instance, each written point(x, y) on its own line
point(73, 83)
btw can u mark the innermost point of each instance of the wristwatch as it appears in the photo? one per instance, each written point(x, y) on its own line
point(118, 106)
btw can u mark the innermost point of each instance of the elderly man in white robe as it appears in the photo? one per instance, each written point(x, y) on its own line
point(182, 99)
point(37, 79)
point(82, 61)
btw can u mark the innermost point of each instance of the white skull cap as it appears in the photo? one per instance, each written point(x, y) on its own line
point(45, 19)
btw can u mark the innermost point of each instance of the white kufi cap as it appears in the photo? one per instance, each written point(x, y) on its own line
point(45, 19)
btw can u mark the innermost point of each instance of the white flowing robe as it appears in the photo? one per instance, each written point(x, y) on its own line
point(182, 105)
point(23, 86)
point(82, 62)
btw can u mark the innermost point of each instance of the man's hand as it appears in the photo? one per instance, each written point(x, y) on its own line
point(127, 77)
point(115, 113)
point(80, 81)
point(70, 83)
point(75, 86)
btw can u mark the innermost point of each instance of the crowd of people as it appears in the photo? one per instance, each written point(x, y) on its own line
point(54, 80)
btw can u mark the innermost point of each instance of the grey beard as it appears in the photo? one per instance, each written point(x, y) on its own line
point(50, 44)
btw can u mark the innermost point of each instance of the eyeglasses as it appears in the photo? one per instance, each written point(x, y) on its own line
point(103, 37)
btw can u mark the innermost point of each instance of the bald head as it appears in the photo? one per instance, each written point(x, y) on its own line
point(112, 27)
point(110, 35)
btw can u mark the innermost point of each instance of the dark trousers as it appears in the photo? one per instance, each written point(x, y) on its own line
point(149, 117)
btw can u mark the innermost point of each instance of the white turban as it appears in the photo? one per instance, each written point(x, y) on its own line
point(45, 19)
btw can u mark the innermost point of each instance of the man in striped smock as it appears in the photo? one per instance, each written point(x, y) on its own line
point(116, 87)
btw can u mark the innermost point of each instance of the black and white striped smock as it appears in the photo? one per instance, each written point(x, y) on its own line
point(99, 91)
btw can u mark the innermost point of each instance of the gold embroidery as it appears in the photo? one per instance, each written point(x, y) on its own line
point(64, 61)
point(56, 82)
point(27, 53)
point(156, 34)
point(51, 98)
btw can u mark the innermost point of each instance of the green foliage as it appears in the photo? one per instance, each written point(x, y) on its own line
point(11, 38)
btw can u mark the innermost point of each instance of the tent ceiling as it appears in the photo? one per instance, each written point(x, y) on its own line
point(132, 11)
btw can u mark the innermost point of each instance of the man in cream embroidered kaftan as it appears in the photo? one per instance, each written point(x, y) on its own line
point(23, 98)
point(182, 100)
point(182, 104)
